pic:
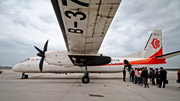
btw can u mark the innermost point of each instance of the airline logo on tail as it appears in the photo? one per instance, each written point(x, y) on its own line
point(155, 43)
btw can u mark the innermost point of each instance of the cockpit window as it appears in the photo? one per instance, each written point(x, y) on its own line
point(26, 60)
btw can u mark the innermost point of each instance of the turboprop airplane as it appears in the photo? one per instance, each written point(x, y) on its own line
point(84, 25)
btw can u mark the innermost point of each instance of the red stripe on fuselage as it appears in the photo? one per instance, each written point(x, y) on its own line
point(148, 61)
point(151, 60)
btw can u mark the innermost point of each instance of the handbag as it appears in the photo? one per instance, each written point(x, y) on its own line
point(166, 82)
point(178, 81)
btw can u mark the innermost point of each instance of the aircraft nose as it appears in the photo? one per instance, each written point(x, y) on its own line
point(16, 68)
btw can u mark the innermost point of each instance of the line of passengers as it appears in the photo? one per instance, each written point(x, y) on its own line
point(140, 76)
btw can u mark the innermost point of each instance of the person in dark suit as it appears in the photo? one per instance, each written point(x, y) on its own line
point(152, 74)
point(144, 77)
point(132, 75)
point(157, 77)
point(163, 76)
point(124, 74)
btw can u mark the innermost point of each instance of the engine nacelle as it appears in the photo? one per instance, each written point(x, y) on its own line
point(58, 57)
point(66, 59)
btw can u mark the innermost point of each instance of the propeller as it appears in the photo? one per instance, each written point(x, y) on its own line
point(42, 55)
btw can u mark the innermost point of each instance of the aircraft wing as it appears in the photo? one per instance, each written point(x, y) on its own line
point(84, 23)
point(169, 55)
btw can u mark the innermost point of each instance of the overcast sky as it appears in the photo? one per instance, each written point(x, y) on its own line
point(25, 23)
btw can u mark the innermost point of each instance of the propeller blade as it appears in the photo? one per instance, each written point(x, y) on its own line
point(42, 54)
point(39, 54)
point(40, 51)
point(45, 46)
point(41, 64)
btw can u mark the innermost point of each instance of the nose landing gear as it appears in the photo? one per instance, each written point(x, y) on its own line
point(24, 76)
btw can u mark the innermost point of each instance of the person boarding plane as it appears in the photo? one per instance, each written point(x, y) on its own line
point(84, 26)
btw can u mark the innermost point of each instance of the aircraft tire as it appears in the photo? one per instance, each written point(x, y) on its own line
point(23, 77)
point(85, 79)
point(26, 76)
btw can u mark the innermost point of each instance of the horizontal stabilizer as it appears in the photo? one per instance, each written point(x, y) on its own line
point(169, 55)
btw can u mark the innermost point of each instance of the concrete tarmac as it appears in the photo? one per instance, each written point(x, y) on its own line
point(102, 87)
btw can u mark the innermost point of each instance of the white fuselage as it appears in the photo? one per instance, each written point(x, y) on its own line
point(32, 66)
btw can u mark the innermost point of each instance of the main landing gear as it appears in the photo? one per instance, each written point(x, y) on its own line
point(85, 78)
point(24, 76)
